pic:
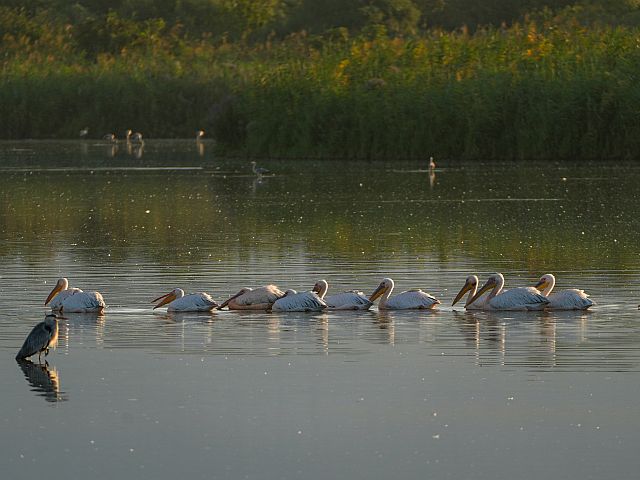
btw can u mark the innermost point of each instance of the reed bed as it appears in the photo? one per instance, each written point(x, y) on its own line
point(528, 92)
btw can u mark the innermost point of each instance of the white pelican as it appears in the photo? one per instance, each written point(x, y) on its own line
point(261, 298)
point(299, 302)
point(521, 298)
point(41, 338)
point(74, 300)
point(179, 302)
point(411, 299)
point(258, 170)
point(352, 300)
point(571, 299)
point(471, 286)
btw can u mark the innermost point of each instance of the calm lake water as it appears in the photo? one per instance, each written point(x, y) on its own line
point(370, 395)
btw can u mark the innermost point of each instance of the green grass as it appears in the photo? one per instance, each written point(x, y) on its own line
point(553, 91)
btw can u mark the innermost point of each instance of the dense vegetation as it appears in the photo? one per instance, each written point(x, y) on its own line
point(332, 78)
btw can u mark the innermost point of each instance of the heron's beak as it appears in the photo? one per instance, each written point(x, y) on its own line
point(377, 292)
point(487, 286)
point(226, 302)
point(541, 285)
point(53, 293)
point(168, 298)
point(467, 286)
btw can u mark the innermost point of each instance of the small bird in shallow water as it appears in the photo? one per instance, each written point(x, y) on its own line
point(199, 135)
point(136, 137)
point(432, 164)
point(84, 132)
point(110, 137)
point(258, 170)
point(42, 337)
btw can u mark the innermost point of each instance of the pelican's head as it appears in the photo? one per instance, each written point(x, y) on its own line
point(169, 297)
point(545, 281)
point(61, 284)
point(320, 287)
point(386, 285)
point(241, 292)
point(493, 281)
point(471, 283)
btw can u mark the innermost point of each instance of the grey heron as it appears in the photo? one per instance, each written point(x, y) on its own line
point(258, 170)
point(42, 337)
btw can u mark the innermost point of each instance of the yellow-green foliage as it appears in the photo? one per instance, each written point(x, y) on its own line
point(550, 90)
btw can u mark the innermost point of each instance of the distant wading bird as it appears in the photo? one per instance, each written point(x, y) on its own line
point(299, 302)
point(352, 300)
point(261, 298)
point(471, 286)
point(570, 299)
point(179, 302)
point(199, 135)
point(521, 298)
point(74, 300)
point(41, 338)
point(84, 132)
point(409, 300)
point(258, 170)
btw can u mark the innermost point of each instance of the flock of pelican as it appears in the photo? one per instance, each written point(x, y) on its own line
point(271, 299)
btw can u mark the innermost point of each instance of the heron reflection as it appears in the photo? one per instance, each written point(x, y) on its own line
point(44, 380)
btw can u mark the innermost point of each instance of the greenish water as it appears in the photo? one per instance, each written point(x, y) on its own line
point(443, 394)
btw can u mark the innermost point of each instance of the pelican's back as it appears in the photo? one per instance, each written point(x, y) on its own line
point(521, 298)
point(266, 294)
point(194, 302)
point(83, 302)
point(412, 299)
point(299, 302)
point(57, 301)
point(353, 300)
point(570, 299)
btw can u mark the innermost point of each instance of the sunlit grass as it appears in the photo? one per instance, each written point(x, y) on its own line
point(550, 91)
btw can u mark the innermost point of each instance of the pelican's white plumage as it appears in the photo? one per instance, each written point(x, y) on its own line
point(73, 300)
point(261, 298)
point(299, 302)
point(409, 300)
point(521, 298)
point(353, 300)
point(177, 301)
point(471, 286)
point(570, 299)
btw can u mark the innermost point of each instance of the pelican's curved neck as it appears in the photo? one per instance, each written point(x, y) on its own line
point(551, 282)
point(497, 289)
point(323, 287)
point(385, 296)
point(472, 292)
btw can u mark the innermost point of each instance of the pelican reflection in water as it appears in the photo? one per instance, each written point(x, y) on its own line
point(43, 379)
